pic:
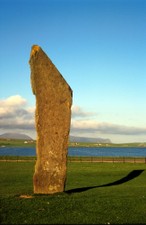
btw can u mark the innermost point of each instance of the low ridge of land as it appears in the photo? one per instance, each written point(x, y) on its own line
point(15, 139)
point(32, 143)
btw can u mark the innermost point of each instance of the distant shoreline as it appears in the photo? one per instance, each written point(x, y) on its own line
point(32, 143)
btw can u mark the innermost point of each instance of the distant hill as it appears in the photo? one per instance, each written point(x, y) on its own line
point(89, 140)
point(71, 138)
point(15, 136)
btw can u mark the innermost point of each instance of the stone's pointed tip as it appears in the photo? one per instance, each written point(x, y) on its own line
point(34, 50)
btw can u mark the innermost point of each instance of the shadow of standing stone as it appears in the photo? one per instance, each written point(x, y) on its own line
point(52, 120)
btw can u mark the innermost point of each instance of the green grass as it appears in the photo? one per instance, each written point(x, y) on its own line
point(14, 143)
point(116, 204)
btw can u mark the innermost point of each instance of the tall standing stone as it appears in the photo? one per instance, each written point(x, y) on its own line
point(52, 120)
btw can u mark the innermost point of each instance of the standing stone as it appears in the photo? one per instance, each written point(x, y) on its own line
point(52, 120)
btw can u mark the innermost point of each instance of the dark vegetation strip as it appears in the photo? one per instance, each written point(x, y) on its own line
point(81, 159)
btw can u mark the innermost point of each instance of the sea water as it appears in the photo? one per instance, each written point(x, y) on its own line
point(80, 151)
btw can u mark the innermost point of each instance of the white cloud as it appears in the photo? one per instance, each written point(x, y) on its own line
point(92, 126)
point(13, 101)
point(77, 111)
point(84, 122)
point(14, 113)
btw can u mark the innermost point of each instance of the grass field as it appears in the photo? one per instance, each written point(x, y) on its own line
point(96, 193)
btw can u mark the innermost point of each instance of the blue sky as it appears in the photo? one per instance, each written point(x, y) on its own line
point(99, 46)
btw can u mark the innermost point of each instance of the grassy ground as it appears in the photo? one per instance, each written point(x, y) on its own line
point(96, 193)
point(96, 159)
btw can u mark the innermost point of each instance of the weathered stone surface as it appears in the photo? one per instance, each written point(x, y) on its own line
point(52, 118)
